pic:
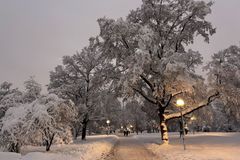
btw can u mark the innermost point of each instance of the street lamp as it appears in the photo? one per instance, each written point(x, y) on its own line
point(180, 103)
point(108, 122)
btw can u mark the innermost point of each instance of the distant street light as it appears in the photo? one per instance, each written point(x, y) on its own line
point(108, 122)
point(131, 127)
point(193, 118)
point(180, 103)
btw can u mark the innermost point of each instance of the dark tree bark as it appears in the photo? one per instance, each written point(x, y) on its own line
point(49, 142)
point(48, 138)
point(84, 126)
point(14, 147)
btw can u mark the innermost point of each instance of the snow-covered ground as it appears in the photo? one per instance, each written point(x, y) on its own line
point(200, 146)
point(95, 147)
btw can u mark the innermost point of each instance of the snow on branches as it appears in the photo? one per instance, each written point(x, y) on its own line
point(46, 117)
point(223, 76)
point(149, 47)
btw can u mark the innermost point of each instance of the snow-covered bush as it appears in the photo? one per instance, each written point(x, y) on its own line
point(12, 127)
point(48, 116)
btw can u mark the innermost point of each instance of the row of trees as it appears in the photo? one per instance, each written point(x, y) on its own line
point(144, 56)
point(140, 60)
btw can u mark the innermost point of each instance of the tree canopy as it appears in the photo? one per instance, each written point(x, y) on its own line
point(149, 50)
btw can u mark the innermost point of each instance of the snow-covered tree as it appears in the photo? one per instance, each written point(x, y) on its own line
point(9, 97)
point(32, 90)
point(5, 88)
point(12, 97)
point(224, 76)
point(12, 127)
point(149, 50)
point(48, 116)
point(82, 78)
point(51, 116)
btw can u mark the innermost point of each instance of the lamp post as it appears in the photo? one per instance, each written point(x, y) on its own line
point(180, 103)
point(108, 122)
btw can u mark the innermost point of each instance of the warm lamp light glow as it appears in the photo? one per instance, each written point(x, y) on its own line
point(108, 121)
point(193, 118)
point(180, 103)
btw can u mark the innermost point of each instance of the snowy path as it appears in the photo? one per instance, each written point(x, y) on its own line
point(200, 146)
point(130, 148)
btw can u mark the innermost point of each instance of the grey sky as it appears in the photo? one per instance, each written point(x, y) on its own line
point(35, 34)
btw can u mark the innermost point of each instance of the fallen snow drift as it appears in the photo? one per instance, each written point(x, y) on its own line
point(95, 147)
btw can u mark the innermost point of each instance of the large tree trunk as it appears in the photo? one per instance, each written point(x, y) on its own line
point(84, 131)
point(84, 127)
point(163, 127)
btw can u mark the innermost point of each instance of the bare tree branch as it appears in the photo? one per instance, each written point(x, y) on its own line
point(144, 96)
point(193, 108)
point(170, 98)
point(125, 43)
point(177, 93)
point(148, 82)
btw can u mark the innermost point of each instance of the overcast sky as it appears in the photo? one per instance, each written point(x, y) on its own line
point(35, 34)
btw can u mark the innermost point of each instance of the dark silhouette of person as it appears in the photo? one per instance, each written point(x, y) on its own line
point(180, 128)
point(183, 128)
point(125, 132)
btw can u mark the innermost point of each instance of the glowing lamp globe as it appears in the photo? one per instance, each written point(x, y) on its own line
point(180, 103)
